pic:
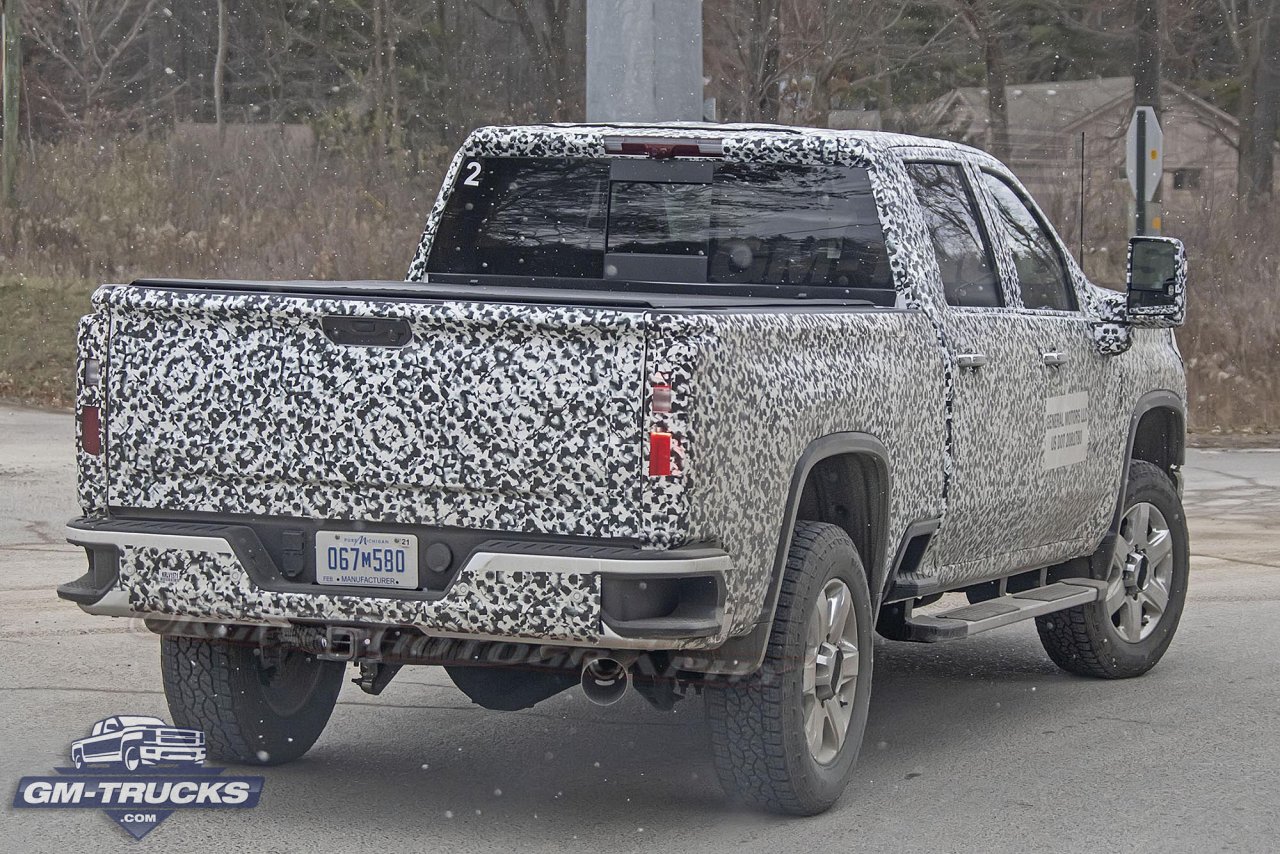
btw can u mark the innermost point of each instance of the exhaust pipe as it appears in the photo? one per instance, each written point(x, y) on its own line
point(605, 681)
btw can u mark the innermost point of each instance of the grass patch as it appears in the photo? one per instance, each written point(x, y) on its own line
point(37, 350)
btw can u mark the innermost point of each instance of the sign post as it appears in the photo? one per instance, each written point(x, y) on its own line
point(1144, 166)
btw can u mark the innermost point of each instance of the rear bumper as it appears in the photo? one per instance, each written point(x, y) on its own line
point(557, 592)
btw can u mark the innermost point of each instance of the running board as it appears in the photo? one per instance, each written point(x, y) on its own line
point(1001, 611)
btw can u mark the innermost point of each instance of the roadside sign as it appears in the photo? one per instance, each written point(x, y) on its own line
point(1144, 150)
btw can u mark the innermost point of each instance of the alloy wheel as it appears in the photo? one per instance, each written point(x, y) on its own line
point(830, 671)
point(1141, 573)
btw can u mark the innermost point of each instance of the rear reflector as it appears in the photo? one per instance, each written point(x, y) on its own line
point(90, 430)
point(661, 398)
point(659, 455)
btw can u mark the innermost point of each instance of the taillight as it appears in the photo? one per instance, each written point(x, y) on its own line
point(661, 148)
point(659, 454)
point(90, 430)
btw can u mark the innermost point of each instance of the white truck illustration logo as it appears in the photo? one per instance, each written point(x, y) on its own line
point(136, 740)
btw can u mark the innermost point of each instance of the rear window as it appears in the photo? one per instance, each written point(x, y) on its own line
point(738, 223)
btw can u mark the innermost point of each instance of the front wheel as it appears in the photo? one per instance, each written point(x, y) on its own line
point(786, 738)
point(1126, 632)
point(254, 705)
point(132, 759)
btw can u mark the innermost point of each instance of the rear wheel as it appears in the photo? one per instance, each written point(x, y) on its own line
point(255, 705)
point(786, 738)
point(1127, 631)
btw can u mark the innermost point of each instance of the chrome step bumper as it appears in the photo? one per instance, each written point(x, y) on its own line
point(552, 593)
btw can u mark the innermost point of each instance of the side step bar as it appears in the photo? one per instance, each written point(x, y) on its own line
point(1001, 611)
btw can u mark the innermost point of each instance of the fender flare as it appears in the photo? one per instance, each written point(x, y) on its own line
point(744, 653)
point(1160, 399)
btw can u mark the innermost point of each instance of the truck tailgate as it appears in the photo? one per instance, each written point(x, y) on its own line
point(498, 416)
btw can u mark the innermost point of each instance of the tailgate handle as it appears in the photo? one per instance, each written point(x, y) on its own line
point(367, 331)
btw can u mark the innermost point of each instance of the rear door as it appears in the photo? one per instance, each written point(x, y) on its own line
point(995, 390)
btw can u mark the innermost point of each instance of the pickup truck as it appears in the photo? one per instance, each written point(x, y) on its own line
point(680, 408)
point(137, 740)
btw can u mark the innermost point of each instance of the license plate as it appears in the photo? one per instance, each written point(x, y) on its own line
point(366, 559)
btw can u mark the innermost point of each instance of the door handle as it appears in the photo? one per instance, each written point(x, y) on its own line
point(1054, 358)
point(971, 361)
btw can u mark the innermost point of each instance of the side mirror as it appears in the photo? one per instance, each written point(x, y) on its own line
point(1157, 282)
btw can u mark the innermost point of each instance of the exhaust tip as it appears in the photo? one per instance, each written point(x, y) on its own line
point(605, 681)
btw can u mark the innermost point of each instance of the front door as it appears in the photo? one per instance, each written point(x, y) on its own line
point(1071, 481)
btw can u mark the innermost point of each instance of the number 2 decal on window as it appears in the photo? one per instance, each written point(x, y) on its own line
point(473, 174)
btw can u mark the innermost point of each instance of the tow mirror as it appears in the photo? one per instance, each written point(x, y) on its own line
point(1157, 282)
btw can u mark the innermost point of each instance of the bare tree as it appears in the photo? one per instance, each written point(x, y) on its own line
point(744, 39)
point(91, 64)
point(554, 32)
point(836, 46)
point(1258, 27)
point(983, 21)
point(788, 60)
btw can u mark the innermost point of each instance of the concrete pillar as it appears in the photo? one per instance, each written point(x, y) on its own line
point(644, 60)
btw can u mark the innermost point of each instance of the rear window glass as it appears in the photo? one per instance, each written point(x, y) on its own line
point(752, 224)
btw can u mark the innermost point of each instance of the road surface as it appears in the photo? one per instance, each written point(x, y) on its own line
point(978, 745)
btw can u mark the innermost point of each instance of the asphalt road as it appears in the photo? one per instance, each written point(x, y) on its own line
point(977, 745)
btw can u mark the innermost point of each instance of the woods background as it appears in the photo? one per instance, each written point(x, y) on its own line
point(281, 139)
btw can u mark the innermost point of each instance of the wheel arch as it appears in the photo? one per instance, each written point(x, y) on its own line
point(851, 452)
point(1158, 435)
point(847, 487)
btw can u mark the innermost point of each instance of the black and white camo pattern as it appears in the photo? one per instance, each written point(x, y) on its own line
point(1163, 316)
point(500, 417)
point(531, 418)
point(213, 586)
point(746, 402)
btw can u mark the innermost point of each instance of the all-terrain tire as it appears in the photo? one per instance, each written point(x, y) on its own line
point(250, 711)
point(758, 736)
point(1085, 640)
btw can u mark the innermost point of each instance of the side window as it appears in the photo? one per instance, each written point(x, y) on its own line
point(1041, 274)
point(964, 258)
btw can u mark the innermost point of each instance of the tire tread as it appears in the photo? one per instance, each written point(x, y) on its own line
point(746, 717)
point(212, 685)
point(1072, 639)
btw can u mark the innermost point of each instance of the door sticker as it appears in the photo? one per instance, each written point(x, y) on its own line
point(1066, 430)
